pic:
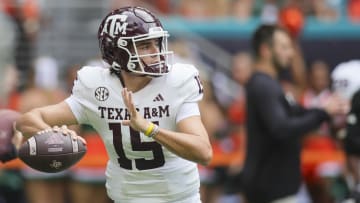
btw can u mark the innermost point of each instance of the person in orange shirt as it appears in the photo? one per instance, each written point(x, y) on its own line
point(322, 158)
point(210, 188)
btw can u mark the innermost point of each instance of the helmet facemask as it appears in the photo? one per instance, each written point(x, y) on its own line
point(136, 63)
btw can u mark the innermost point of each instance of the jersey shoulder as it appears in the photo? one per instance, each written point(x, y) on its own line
point(181, 73)
point(92, 76)
point(185, 82)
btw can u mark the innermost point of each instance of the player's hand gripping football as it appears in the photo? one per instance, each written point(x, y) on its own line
point(65, 131)
point(17, 138)
point(137, 122)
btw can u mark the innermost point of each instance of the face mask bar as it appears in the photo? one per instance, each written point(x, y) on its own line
point(160, 68)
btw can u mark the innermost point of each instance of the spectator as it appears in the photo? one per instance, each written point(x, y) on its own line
point(242, 10)
point(353, 10)
point(41, 90)
point(202, 9)
point(322, 159)
point(325, 11)
point(7, 59)
point(269, 12)
point(346, 83)
point(241, 70)
point(11, 181)
point(212, 176)
point(275, 122)
point(26, 15)
point(241, 67)
point(197, 9)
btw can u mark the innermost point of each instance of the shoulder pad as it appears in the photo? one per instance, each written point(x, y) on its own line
point(90, 76)
point(180, 73)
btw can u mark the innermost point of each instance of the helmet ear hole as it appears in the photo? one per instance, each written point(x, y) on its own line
point(131, 66)
point(122, 43)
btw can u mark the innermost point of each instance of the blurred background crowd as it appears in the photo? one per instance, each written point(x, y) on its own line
point(44, 42)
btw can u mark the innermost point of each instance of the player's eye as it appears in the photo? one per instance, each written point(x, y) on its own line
point(148, 45)
point(145, 46)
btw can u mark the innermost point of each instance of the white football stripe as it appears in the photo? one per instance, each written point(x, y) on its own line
point(75, 145)
point(32, 146)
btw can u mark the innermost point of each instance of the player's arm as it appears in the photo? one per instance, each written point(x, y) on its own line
point(277, 120)
point(46, 117)
point(191, 142)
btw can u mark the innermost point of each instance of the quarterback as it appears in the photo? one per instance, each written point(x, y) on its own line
point(144, 108)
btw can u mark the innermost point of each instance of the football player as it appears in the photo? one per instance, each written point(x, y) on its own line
point(346, 82)
point(145, 109)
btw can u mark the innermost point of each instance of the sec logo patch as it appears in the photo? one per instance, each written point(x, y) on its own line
point(101, 93)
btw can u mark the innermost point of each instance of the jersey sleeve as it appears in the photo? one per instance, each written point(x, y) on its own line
point(77, 109)
point(185, 82)
point(80, 100)
point(186, 110)
point(188, 83)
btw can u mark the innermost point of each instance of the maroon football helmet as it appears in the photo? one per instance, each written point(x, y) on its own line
point(121, 29)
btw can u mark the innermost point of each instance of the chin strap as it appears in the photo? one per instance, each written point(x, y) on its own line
point(121, 79)
point(117, 72)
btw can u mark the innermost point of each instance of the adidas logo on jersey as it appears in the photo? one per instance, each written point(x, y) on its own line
point(159, 97)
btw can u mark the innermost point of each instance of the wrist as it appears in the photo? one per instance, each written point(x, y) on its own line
point(152, 130)
point(149, 128)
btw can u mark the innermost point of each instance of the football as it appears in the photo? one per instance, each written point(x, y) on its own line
point(51, 151)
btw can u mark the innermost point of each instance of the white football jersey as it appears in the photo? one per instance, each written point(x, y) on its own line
point(139, 169)
point(346, 78)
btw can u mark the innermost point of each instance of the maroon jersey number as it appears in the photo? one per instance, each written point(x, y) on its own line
point(136, 145)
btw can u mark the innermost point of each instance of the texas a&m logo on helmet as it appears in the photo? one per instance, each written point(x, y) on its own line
point(120, 32)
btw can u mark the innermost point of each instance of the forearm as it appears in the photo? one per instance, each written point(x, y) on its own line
point(190, 142)
point(282, 121)
point(188, 146)
point(44, 118)
point(31, 123)
point(283, 127)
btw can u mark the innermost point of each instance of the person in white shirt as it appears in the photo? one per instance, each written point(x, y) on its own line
point(145, 109)
point(346, 83)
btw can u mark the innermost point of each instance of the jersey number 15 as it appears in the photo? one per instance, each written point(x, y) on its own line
point(137, 145)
